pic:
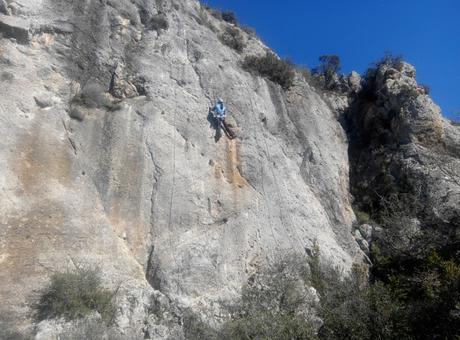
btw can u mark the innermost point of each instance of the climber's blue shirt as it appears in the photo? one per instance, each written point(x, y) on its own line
point(220, 110)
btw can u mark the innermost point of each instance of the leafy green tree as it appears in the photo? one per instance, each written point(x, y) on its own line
point(329, 64)
point(327, 70)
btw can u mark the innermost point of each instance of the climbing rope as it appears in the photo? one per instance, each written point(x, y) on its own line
point(261, 171)
point(173, 181)
point(287, 226)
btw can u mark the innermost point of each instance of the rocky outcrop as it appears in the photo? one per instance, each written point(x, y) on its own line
point(14, 27)
point(401, 145)
point(120, 87)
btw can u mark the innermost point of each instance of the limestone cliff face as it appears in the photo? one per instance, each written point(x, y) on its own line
point(108, 156)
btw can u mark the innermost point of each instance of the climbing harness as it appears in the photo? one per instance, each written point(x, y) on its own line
point(223, 127)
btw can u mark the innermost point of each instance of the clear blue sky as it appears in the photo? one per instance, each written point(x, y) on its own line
point(425, 32)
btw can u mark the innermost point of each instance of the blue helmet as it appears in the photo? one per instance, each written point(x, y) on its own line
point(219, 100)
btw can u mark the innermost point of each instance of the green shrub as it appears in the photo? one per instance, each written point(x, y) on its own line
point(304, 71)
point(203, 19)
point(329, 65)
point(350, 308)
point(93, 329)
point(75, 294)
point(274, 305)
point(389, 59)
point(362, 217)
point(277, 326)
point(6, 76)
point(313, 79)
point(435, 297)
point(270, 66)
point(195, 328)
point(229, 17)
point(7, 332)
point(233, 38)
point(94, 95)
point(249, 31)
point(325, 76)
point(317, 276)
point(213, 11)
point(368, 92)
point(422, 304)
point(415, 288)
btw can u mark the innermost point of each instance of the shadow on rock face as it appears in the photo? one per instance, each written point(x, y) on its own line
point(213, 123)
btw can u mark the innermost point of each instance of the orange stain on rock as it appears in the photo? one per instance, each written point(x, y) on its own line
point(228, 169)
point(39, 159)
point(232, 172)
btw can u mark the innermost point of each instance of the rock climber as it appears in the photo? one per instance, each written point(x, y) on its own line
point(220, 111)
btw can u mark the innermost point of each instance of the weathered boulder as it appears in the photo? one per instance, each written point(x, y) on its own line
point(14, 27)
point(77, 113)
point(363, 243)
point(418, 119)
point(43, 101)
point(366, 231)
point(354, 82)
